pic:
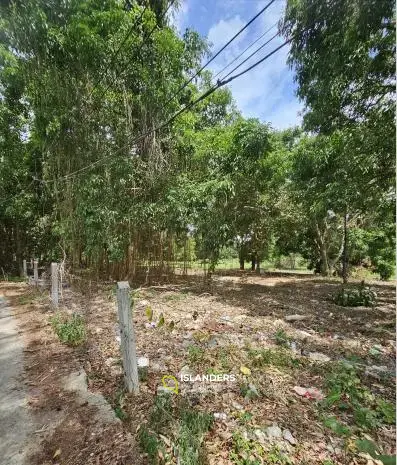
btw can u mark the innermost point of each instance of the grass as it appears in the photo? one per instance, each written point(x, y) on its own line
point(249, 452)
point(347, 396)
point(280, 358)
point(69, 329)
point(175, 431)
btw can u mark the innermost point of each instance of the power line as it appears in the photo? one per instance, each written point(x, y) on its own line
point(245, 50)
point(250, 56)
point(186, 83)
point(178, 113)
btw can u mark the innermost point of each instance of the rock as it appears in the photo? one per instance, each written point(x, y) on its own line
point(377, 371)
point(142, 362)
point(212, 342)
point(186, 370)
point(143, 368)
point(273, 432)
point(319, 357)
point(293, 346)
point(252, 392)
point(237, 406)
point(295, 317)
point(188, 336)
point(77, 382)
point(287, 435)
point(220, 416)
point(156, 367)
point(260, 435)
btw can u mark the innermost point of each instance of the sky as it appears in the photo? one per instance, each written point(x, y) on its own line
point(268, 91)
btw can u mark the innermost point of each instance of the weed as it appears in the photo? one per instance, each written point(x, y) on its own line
point(150, 444)
point(192, 429)
point(185, 425)
point(281, 338)
point(195, 355)
point(277, 357)
point(248, 452)
point(347, 394)
point(69, 329)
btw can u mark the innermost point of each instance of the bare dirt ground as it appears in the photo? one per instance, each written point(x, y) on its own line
point(235, 325)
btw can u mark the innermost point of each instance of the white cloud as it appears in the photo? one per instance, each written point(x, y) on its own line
point(265, 92)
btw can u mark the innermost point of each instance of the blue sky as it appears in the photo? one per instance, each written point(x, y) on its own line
point(268, 91)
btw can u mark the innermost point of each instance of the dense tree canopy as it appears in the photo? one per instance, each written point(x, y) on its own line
point(87, 175)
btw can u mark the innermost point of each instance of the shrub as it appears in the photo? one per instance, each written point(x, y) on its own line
point(355, 297)
point(69, 329)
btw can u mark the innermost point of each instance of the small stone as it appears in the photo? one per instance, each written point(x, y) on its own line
point(274, 432)
point(220, 416)
point(212, 342)
point(237, 406)
point(226, 318)
point(319, 357)
point(287, 435)
point(252, 392)
point(260, 435)
point(295, 317)
point(143, 362)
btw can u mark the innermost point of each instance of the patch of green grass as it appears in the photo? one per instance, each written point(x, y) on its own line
point(249, 452)
point(69, 329)
point(281, 338)
point(196, 355)
point(346, 394)
point(281, 358)
point(182, 426)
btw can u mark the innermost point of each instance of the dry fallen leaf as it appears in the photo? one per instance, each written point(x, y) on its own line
point(245, 370)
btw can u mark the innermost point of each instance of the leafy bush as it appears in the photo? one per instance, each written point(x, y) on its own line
point(69, 329)
point(385, 269)
point(355, 297)
point(347, 394)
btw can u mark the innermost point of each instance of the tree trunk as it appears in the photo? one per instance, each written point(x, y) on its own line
point(252, 262)
point(345, 252)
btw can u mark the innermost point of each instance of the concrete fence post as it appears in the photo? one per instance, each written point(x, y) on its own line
point(25, 269)
point(36, 272)
point(54, 285)
point(127, 337)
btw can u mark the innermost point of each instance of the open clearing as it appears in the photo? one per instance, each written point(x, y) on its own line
point(233, 325)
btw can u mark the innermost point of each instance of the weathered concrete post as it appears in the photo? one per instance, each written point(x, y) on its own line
point(54, 284)
point(25, 269)
point(36, 272)
point(127, 337)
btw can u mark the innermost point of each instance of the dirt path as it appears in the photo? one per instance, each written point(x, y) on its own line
point(16, 423)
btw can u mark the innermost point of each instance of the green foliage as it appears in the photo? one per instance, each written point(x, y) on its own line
point(195, 355)
point(184, 426)
point(248, 452)
point(355, 296)
point(281, 338)
point(347, 394)
point(369, 447)
point(281, 358)
point(69, 329)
